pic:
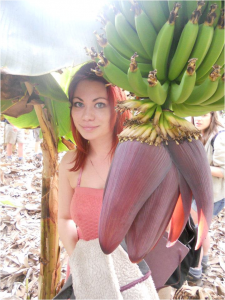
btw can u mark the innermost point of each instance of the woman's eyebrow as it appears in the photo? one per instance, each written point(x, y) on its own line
point(92, 100)
point(100, 98)
point(78, 98)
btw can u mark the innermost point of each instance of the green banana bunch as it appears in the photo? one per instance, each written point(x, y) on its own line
point(139, 43)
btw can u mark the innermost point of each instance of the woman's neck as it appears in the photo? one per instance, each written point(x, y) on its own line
point(100, 148)
point(203, 132)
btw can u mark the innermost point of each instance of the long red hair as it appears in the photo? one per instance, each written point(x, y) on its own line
point(114, 93)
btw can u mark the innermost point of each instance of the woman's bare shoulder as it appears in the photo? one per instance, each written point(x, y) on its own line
point(67, 161)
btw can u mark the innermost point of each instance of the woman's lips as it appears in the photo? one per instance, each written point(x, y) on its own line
point(89, 128)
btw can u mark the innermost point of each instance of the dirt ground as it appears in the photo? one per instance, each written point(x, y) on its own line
point(20, 210)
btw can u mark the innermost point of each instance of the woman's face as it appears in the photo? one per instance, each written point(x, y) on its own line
point(91, 111)
point(203, 122)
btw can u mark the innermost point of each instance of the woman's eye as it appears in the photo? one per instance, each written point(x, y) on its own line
point(77, 104)
point(100, 105)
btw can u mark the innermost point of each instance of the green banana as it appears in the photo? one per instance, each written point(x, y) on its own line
point(180, 21)
point(168, 128)
point(204, 38)
point(180, 93)
point(144, 68)
point(205, 90)
point(184, 110)
point(219, 93)
point(114, 57)
point(134, 105)
point(204, 14)
point(147, 115)
point(218, 105)
point(190, 7)
point(165, 7)
point(114, 74)
point(145, 30)
point(163, 132)
point(127, 9)
point(115, 40)
point(135, 78)
point(109, 14)
point(185, 45)
point(157, 92)
point(129, 36)
point(221, 58)
point(163, 45)
point(219, 6)
point(155, 12)
point(157, 115)
point(121, 62)
point(202, 79)
point(215, 49)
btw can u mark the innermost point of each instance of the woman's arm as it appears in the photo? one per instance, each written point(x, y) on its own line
point(218, 168)
point(66, 226)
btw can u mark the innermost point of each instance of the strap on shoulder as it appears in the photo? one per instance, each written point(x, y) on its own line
point(213, 139)
point(79, 177)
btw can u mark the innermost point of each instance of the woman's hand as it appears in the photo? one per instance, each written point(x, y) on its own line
point(216, 172)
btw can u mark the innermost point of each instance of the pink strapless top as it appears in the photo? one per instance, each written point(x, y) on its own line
point(85, 209)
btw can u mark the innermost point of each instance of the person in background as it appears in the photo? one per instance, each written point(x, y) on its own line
point(14, 135)
point(213, 139)
point(82, 177)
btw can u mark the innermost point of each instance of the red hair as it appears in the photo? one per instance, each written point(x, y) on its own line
point(115, 94)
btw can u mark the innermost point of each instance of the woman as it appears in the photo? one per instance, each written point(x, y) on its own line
point(82, 178)
point(213, 138)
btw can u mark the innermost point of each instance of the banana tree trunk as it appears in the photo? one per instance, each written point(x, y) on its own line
point(50, 252)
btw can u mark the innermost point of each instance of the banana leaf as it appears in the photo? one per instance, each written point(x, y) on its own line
point(48, 87)
point(27, 121)
point(41, 37)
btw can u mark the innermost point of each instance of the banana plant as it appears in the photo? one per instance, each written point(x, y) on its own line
point(37, 62)
point(48, 107)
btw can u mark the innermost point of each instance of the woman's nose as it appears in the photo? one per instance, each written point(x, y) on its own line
point(88, 114)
